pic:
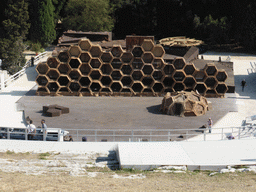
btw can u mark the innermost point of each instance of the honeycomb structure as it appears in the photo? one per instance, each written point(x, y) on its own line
point(184, 103)
point(87, 69)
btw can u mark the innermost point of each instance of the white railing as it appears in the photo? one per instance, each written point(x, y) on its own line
point(52, 134)
point(15, 76)
point(133, 135)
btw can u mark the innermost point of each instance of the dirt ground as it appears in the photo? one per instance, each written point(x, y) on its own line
point(191, 181)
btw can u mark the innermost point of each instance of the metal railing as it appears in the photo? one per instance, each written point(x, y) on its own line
point(138, 135)
point(17, 75)
point(52, 134)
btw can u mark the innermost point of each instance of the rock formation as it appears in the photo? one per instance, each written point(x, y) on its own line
point(184, 103)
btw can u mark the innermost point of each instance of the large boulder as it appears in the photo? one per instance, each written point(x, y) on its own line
point(184, 103)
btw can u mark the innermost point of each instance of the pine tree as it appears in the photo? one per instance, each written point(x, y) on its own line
point(14, 28)
point(42, 21)
point(88, 15)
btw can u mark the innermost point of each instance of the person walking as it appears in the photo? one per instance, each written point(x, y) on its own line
point(243, 84)
point(210, 122)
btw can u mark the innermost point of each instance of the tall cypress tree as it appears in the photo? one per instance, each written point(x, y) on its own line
point(14, 28)
point(42, 21)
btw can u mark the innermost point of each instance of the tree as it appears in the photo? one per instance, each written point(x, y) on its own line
point(42, 21)
point(248, 28)
point(14, 28)
point(88, 15)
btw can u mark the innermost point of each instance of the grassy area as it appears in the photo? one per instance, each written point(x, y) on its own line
point(196, 181)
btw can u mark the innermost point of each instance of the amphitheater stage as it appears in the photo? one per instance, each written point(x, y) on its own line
point(119, 113)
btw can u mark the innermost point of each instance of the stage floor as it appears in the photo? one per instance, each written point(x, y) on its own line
point(119, 112)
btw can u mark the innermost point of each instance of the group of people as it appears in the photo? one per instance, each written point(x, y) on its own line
point(31, 129)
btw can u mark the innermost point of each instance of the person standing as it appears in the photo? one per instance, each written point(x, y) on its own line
point(243, 84)
point(210, 123)
point(31, 129)
point(44, 127)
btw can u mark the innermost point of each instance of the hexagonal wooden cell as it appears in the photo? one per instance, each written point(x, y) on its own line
point(147, 57)
point(53, 74)
point(158, 87)
point(53, 87)
point(126, 81)
point(201, 88)
point(74, 87)
point(221, 88)
point(137, 63)
point(168, 81)
point(42, 90)
point(147, 45)
point(96, 51)
point(189, 82)
point(106, 91)
point(221, 75)
point(147, 69)
point(74, 74)
point(116, 75)
point(158, 63)
point(168, 89)
point(85, 57)
point(137, 87)
point(106, 80)
point(63, 80)
point(95, 75)
point(106, 57)
point(95, 63)
point(85, 69)
point(116, 63)
point(64, 90)
point(178, 86)
point(210, 69)
point(211, 93)
point(158, 51)
point(157, 75)
point(63, 56)
point(126, 91)
point(106, 69)
point(200, 76)
point(147, 91)
point(117, 51)
point(85, 44)
point(211, 82)
point(64, 68)
point(137, 75)
point(74, 63)
point(126, 69)
point(190, 69)
point(53, 62)
point(74, 51)
point(137, 51)
point(42, 68)
point(116, 86)
point(127, 57)
point(168, 69)
point(85, 81)
point(147, 81)
point(42, 80)
point(85, 91)
point(179, 75)
point(179, 63)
